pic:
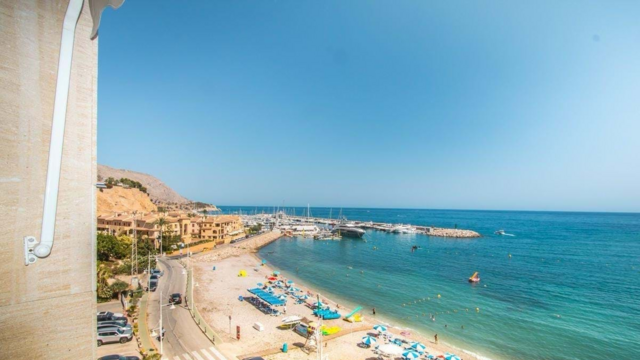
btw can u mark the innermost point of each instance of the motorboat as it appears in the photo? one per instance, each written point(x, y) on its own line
point(304, 230)
point(348, 229)
point(499, 232)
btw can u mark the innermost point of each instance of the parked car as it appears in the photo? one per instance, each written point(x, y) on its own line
point(121, 322)
point(113, 334)
point(111, 324)
point(107, 313)
point(109, 316)
point(153, 284)
point(157, 272)
point(175, 298)
point(119, 357)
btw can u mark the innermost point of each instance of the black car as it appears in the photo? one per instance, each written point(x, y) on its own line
point(175, 298)
point(109, 316)
point(153, 284)
point(119, 357)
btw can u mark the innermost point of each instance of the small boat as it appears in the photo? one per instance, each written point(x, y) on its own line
point(348, 229)
point(474, 278)
point(499, 232)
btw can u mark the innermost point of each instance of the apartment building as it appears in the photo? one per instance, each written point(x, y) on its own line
point(190, 227)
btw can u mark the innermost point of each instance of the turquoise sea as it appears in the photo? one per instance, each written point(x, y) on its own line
point(571, 289)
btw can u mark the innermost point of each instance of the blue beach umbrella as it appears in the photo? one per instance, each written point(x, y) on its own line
point(449, 356)
point(260, 284)
point(304, 297)
point(430, 357)
point(276, 273)
point(368, 340)
point(418, 346)
point(290, 282)
point(410, 354)
point(380, 328)
point(269, 289)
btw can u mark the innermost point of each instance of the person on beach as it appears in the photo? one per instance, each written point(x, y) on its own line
point(436, 337)
point(374, 311)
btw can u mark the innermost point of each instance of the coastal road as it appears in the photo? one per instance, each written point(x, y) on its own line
point(183, 339)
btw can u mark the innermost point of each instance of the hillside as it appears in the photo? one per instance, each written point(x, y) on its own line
point(119, 199)
point(158, 191)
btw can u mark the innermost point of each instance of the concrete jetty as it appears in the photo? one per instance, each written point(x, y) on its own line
point(388, 227)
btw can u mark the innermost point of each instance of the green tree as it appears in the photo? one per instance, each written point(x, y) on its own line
point(110, 247)
point(119, 286)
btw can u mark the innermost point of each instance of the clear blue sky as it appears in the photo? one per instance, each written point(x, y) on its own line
point(417, 104)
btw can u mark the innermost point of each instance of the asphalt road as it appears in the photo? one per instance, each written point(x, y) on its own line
point(183, 338)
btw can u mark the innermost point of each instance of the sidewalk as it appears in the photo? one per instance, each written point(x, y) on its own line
point(146, 344)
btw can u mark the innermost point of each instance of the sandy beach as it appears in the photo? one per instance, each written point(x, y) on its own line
point(217, 295)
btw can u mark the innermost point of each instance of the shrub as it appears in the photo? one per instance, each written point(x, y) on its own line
point(118, 286)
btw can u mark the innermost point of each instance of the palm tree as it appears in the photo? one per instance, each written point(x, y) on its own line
point(103, 275)
point(161, 222)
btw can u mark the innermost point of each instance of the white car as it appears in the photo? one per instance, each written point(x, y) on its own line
point(110, 313)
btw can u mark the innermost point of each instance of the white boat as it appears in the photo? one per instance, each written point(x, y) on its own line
point(304, 230)
point(403, 229)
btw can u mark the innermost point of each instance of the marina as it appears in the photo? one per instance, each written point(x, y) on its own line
point(333, 229)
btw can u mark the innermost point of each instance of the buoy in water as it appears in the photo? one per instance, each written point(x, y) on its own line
point(477, 309)
point(438, 296)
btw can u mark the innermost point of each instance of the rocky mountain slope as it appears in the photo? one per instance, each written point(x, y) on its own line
point(119, 199)
point(158, 191)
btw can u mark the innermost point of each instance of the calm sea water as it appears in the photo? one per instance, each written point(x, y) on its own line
point(571, 289)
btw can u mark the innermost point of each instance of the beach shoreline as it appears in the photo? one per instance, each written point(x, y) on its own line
point(391, 323)
point(220, 296)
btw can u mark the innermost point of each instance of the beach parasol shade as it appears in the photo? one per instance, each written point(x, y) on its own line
point(418, 346)
point(380, 328)
point(368, 340)
point(410, 354)
point(390, 349)
point(449, 356)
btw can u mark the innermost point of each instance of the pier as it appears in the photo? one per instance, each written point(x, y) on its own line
point(388, 227)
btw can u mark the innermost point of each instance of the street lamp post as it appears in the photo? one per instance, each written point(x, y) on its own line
point(161, 329)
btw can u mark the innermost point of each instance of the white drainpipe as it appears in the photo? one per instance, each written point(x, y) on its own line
point(32, 248)
point(42, 249)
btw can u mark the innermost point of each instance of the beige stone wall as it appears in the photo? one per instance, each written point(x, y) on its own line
point(47, 310)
